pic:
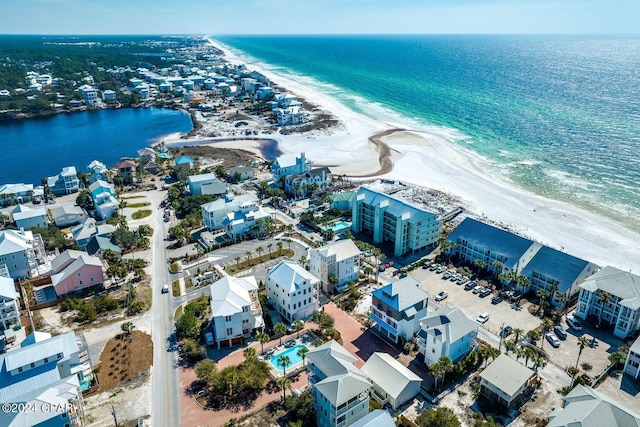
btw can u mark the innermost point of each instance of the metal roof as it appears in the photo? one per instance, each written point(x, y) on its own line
point(506, 374)
point(389, 374)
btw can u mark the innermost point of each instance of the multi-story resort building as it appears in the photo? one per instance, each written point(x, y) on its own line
point(396, 309)
point(340, 389)
point(235, 309)
point(502, 252)
point(336, 264)
point(21, 252)
point(292, 290)
point(611, 296)
point(406, 227)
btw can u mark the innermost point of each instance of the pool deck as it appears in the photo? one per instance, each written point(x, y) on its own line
point(306, 339)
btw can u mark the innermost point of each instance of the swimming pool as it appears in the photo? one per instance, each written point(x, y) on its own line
point(339, 226)
point(291, 353)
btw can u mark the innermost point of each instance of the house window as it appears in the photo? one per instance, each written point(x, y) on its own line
point(229, 331)
point(33, 365)
point(227, 318)
point(20, 369)
point(46, 360)
point(92, 280)
point(79, 274)
point(80, 282)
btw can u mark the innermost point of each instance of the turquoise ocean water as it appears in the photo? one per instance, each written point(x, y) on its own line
point(557, 115)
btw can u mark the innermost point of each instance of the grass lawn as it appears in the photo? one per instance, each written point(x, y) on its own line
point(122, 359)
point(175, 288)
point(141, 214)
point(244, 264)
point(138, 205)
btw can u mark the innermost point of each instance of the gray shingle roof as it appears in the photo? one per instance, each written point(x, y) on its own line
point(450, 322)
point(506, 374)
point(401, 294)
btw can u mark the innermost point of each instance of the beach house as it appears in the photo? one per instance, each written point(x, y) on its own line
point(293, 115)
point(26, 217)
point(446, 332)
point(98, 245)
point(146, 154)
point(238, 215)
point(108, 95)
point(104, 199)
point(584, 406)
point(314, 179)
point(240, 173)
point(89, 94)
point(66, 182)
point(343, 200)
point(292, 290)
point(9, 307)
point(16, 193)
point(611, 296)
point(21, 252)
point(407, 227)
point(289, 165)
point(126, 171)
point(73, 271)
point(235, 310)
point(97, 171)
point(392, 383)
point(506, 382)
point(336, 264)
point(632, 364)
point(376, 418)
point(89, 228)
point(206, 183)
point(66, 215)
point(339, 388)
point(396, 309)
point(182, 166)
point(46, 372)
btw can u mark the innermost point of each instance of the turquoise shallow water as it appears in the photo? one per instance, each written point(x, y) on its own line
point(558, 115)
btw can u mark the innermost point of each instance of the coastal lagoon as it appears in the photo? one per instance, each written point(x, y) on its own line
point(555, 115)
point(39, 147)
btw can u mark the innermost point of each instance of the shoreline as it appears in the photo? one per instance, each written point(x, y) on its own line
point(452, 170)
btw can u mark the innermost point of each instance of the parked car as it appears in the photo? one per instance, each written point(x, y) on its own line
point(586, 378)
point(434, 266)
point(165, 289)
point(208, 338)
point(485, 292)
point(470, 285)
point(497, 299)
point(483, 318)
point(506, 331)
point(560, 332)
point(553, 340)
point(441, 269)
point(442, 295)
point(477, 289)
point(446, 275)
point(574, 324)
point(461, 280)
point(454, 277)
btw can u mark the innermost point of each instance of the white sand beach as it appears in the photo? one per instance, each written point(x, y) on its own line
point(433, 162)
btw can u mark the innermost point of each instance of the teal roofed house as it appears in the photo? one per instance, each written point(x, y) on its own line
point(396, 309)
point(98, 244)
point(343, 200)
point(183, 166)
point(387, 219)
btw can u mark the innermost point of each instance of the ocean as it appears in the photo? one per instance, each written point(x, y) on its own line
point(39, 147)
point(556, 115)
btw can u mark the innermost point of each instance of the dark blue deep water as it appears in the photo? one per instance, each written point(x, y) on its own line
point(558, 115)
point(35, 148)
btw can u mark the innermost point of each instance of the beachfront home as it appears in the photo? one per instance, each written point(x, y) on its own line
point(407, 227)
point(611, 296)
point(235, 310)
point(292, 290)
point(446, 332)
point(290, 116)
point(289, 165)
point(26, 217)
point(238, 215)
point(109, 95)
point(339, 388)
point(21, 252)
point(206, 183)
point(393, 383)
point(314, 179)
point(66, 215)
point(46, 372)
point(336, 264)
point(240, 173)
point(98, 245)
point(396, 309)
point(16, 193)
point(104, 199)
point(506, 382)
point(146, 154)
point(73, 271)
point(126, 171)
point(9, 307)
point(66, 182)
point(632, 364)
point(165, 87)
point(97, 171)
point(85, 231)
point(503, 252)
point(584, 406)
point(183, 166)
point(89, 94)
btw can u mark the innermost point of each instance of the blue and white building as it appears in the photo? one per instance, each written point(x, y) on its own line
point(340, 259)
point(446, 332)
point(66, 182)
point(407, 227)
point(26, 217)
point(9, 307)
point(104, 199)
point(207, 183)
point(396, 309)
point(292, 290)
point(289, 165)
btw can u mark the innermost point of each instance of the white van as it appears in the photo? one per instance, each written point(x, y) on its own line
point(165, 289)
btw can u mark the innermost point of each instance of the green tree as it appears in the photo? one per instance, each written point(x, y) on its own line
point(302, 353)
point(279, 245)
point(438, 417)
point(249, 354)
point(617, 358)
point(207, 371)
point(187, 326)
point(547, 325)
point(279, 329)
point(582, 343)
point(297, 326)
point(517, 332)
point(302, 408)
point(284, 383)
point(84, 200)
point(262, 338)
point(284, 361)
point(191, 350)
point(260, 249)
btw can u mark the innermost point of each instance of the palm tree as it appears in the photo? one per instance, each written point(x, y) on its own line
point(497, 265)
point(302, 353)
point(279, 245)
point(604, 298)
point(248, 254)
point(447, 246)
point(528, 354)
point(262, 338)
point(438, 371)
point(260, 249)
point(562, 299)
point(617, 358)
point(553, 289)
point(480, 263)
point(522, 281)
point(289, 243)
point(249, 354)
point(284, 383)
point(237, 262)
point(517, 332)
point(547, 325)
point(540, 362)
point(542, 294)
point(270, 245)
point(582, 343)
point(297, 326)
point(284, 361)
point(279, 328)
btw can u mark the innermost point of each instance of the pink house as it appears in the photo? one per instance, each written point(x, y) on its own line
point(75, 270)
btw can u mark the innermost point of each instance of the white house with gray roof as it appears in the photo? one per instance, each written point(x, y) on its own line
point(612, 296)
point(17, 193)
point(9, 308)
point(396, 309)
point(446, 332)
point(45, 371)
point(66, 215)
point(340, 259)
point(238, 215)
point(408, 228)
point(292, 290)
point(505, 381)
point(586, 407)
point(206, 183)
point(26, 217)
point(392, 383)
point(340, 389)
point(376, 418)
point(235, 309)
point(632, 364)
point(21, 251)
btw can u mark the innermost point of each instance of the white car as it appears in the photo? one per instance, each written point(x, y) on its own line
point(442, 295)
point(574, 324)
point(483, 318)
point(553, 340)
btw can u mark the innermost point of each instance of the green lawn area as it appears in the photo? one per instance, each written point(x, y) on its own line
point(243, 263)
point(138, 205)
point(175, 288)
point(141, 214)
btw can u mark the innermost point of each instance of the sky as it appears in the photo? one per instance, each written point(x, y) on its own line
point(320, 16)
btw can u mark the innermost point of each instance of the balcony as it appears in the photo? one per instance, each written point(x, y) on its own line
point(384, 324)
